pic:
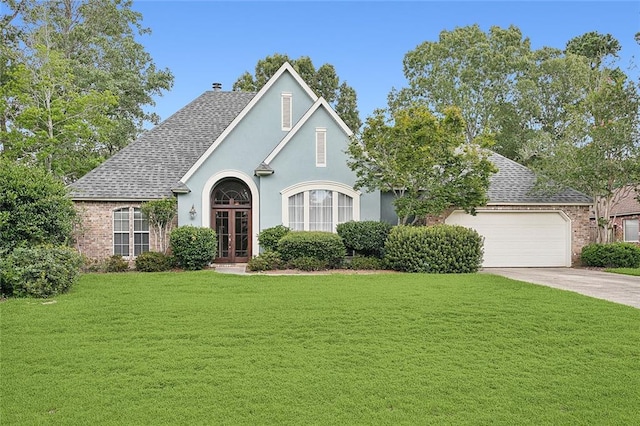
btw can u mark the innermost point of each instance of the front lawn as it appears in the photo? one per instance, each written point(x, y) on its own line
point(626, 271)
point(208, 348)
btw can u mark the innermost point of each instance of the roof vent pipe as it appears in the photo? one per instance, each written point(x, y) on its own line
point(217, 87)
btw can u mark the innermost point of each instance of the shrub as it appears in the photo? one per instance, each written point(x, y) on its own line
point(307, 263)
point(366, 237)
point(34, 208)
point(152, 261)
point(364, 262)
point(193, 247)
point(40, 271)
point(267, 261)
point(434, 249)
point(612, 255)
point(324, 246)
point(116, 263)
point(269, 238)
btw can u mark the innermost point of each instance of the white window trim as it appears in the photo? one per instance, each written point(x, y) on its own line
point(288, 96)
point(131, 231)
point(305, 187)
point(321, 131)
point(624, 230)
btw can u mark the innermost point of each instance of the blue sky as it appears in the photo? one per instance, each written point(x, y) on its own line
point(203, 42)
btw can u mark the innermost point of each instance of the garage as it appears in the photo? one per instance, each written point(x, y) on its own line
point(520, 239)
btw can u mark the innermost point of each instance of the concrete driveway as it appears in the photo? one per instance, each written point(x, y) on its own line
point(618, 288)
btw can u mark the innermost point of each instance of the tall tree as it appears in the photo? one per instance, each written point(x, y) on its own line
point(423, 160)
point(467, 68)
point(594, 46)
point(599, 151)
point(94, 41)
point(324, 81)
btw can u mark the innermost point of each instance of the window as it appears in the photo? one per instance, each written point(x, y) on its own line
point(319, 206)
point(631, 229)
point(287, 107)
point(127, 233)
point(321, 147)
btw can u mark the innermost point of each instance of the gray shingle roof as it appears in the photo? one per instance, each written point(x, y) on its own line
point(513, 183)
point(152, 165)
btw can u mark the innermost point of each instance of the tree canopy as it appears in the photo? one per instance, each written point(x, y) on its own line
point(423, 160)
point(324, 81)
point(75, 82)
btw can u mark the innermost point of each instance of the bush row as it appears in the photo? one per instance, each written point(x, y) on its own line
point(612, 255)
point(436, 249)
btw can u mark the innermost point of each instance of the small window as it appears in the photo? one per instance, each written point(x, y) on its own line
point(287, 107)
point(321, 147)
point(121, 232)
point(631, 230)
point(140, 232)
point(296, 212)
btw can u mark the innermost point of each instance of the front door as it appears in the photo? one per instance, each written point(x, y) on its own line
point(231, 219)
point(233, 228)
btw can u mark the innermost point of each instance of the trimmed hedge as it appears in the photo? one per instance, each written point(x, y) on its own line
point(323, 246)
point(269, 237)
point(267, 261)
point(40, 271)
point(434, 249)
point(116, 263)
point(612, 255)
point(152, 261)
point(366, 237)
point(364, 262)
point(193, 247)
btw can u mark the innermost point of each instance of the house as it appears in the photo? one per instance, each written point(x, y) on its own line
point(625, 215)
point(242, 162)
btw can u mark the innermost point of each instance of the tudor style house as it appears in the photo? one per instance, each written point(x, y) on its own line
point(241, 162)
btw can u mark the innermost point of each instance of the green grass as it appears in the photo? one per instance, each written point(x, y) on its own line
point(207, 348)
point(625, 271)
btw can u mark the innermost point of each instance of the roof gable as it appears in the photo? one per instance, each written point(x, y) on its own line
point(286, 67)
point(320, 103)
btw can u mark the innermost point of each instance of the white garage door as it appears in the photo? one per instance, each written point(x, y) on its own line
point(520, 239)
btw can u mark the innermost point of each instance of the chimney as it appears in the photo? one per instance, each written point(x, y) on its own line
point(217, 87)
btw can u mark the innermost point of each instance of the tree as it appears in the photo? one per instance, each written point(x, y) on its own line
point(34, 208)
point(594, 46)
point(599, 154)
point(467, 68)
point(423, 160)
point(324, 81)
point(91, 45)
point(161, 214)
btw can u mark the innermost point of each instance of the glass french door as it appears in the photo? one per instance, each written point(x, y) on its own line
point(233, 228)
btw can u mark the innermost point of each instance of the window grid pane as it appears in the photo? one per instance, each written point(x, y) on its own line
point(121, 232)
point(345, 208)
point(296, 212)
point(631, 229)
point(140, 232)
point(320, 210)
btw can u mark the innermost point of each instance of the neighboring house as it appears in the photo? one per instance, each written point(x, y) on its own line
point(626, 216)
point(242, 162)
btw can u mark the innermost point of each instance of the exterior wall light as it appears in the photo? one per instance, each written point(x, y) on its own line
point(193, 212)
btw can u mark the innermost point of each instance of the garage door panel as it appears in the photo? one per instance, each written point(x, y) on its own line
point(514, 239)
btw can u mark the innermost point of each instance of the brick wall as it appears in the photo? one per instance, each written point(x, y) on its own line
point(579, 216)
point(94, 233)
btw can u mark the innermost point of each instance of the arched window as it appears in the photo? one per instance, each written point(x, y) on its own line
point(231, 192)
point(319, 206)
